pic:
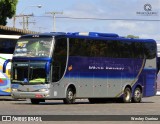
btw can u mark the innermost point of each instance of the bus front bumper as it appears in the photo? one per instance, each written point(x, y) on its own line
point(25, 95)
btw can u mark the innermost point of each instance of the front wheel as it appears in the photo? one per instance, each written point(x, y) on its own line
point(70, 96)
point(137, 96)
point(127, 95)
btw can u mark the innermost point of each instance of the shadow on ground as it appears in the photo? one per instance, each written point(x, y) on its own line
point(60, 102)
point(9, 98)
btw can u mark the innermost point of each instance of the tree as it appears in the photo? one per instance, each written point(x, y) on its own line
point(7, 10)
point(132, 36)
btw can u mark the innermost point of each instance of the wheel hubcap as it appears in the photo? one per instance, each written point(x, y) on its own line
point(70, 95)
point(137, 94)
point(127, 95)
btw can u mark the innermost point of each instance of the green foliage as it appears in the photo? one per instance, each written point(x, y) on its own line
point(7, 10)
point(132, 36)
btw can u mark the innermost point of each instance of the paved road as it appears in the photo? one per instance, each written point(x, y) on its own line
point(149, 106)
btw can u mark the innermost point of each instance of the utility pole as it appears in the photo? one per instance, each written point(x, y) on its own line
point(22, 15)
point(25, 21)
point(54, 18)
point(14, 21)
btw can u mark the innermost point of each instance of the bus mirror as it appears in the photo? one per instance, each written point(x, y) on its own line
point(5, 65)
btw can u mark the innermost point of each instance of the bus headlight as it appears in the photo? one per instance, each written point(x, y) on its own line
point(43, 90)
point(14, 90)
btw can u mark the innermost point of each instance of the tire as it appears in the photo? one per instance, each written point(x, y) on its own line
point(137, 96)
point(70, 96)
point(37, 101)
point(127, 95)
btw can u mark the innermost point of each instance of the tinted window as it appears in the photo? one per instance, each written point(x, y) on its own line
point(33, 47)
point(105, 48)
point(59, 59)
point(150, 50)
point(7, 45)
point(88, 47)
point(128, 49)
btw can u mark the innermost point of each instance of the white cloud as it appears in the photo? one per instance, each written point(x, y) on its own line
point(123, 25)
point(142, 29)
point(108, 9)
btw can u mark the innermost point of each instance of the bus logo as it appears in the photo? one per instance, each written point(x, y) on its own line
point(70, 68)
point(25, 80)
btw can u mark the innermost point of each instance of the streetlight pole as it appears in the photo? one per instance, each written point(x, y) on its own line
point(39, 6)
point(54, 18)
point(22, 15)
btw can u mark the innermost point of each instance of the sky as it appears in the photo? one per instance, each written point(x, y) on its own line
point(123, 17)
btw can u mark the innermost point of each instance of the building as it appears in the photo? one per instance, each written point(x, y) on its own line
point(14, 31)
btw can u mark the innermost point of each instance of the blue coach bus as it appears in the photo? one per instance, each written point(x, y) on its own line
point(90, 65)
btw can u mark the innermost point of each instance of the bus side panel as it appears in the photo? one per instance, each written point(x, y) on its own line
point(150, 86)
point(150, 78)
point(76, 74)
point(101, 76)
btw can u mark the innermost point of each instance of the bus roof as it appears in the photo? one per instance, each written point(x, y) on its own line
point(95, 35)
point(109, 36)
point(51, 34)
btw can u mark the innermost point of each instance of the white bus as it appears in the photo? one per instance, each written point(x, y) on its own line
point(158, 75)
point(7, 45)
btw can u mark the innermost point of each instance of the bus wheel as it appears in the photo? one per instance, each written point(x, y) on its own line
point(70, 96)
point(37, 101)
point(127, 95)
point(137, 96)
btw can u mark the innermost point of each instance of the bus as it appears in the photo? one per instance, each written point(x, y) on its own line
point(158, 67)
point(7, 45)
point(93, 66)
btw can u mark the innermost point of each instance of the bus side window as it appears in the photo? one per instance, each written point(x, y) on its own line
point(7, 46)
point(59, 59)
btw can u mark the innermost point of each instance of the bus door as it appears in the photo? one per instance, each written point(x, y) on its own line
point(59, 59)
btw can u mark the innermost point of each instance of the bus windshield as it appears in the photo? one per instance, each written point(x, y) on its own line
point(33, 47)
point(29, 73)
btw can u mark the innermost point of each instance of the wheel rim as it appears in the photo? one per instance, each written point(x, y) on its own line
point(137, 94)
point(127, 95)
point(70, 95)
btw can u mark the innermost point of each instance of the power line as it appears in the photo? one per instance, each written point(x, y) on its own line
point(105, 19)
